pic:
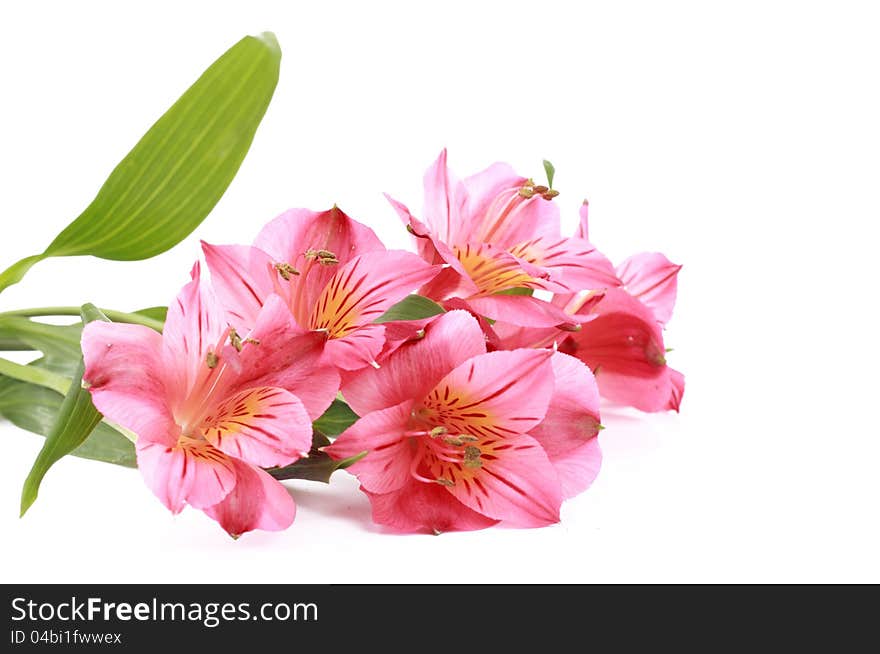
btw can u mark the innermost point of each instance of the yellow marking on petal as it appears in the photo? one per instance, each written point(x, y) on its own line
point(336, 309)
point(491, 273)
point(237, 413)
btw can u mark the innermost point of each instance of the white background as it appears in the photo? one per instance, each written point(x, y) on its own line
point(741, 139)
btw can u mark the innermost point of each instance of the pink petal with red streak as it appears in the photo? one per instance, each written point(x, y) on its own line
point(265, 426)
point(382, 434)
point(416, 366)
point(256, 502)
point(426, 508)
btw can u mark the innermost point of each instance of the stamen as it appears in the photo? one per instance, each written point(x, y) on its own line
point(212, 359)
point(238, 342)
point(460, 440)
point(324, 257)
point(472, 457)
point(235, 339)
point(527, 190)
point(286, 270)
point(413, 471)
point(444, 482)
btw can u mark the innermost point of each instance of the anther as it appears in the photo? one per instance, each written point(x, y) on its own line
point(549, 194)
point(211, 360)
point(286, 270)
point(472, 457)
point(527, 190)
point(438, 431)
point(324, 257)
point(445, 482)
point(235, 339)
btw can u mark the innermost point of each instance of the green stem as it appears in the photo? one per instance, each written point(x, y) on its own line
point(33, 375)
point(115, 316)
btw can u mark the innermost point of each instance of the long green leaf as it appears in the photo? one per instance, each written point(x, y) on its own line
point(76, 419)
point(35, 409)
point(173, 177)
point(51, 340)
point(412, 307)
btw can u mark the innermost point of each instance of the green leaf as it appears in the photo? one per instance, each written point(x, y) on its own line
point(317, 466)
point(518, 290)
point(336, 419)
point(413, 307)
point(35, 409)
point(169, 182)
point(551, 172)
point(154, 313)
point(76, 419)
point(51, 340)
point(16, 272)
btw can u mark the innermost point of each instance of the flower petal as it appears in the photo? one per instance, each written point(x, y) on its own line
point(428, 508)
point(192, 472)
point(452, 280)
point(444, 201)
point(662, 392)
point(296, 236)
point(416, 366)
point(578, 468)
point(485, 186)
point(493, 269)
point(357, 349)
point(623, 345)
point(257, 502)
point(653, 279)
point(511, 480)
point(367, 287)
point(265, 426)
point(492, 395)
point(243, 277)
point(573, 264)
point(583, 228)
point(194, 326)
point(572, 417)
point(279, 353)
point(124, 373)
point(569, 432)
point(509, 218)
point(289, 236)
point(522, 311)
point(386, 467)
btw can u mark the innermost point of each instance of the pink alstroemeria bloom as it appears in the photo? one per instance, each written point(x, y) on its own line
point(622, 342)
point(332, 272)
point(211, 408)
point(499, 231)
point(461, 439)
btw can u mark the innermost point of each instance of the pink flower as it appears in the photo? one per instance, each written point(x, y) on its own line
point(622, 342)
point(211, 407)
point(499, 231)
point(333, 273)
point(461, 439)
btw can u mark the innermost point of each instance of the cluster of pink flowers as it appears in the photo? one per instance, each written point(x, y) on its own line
point(486, 413)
